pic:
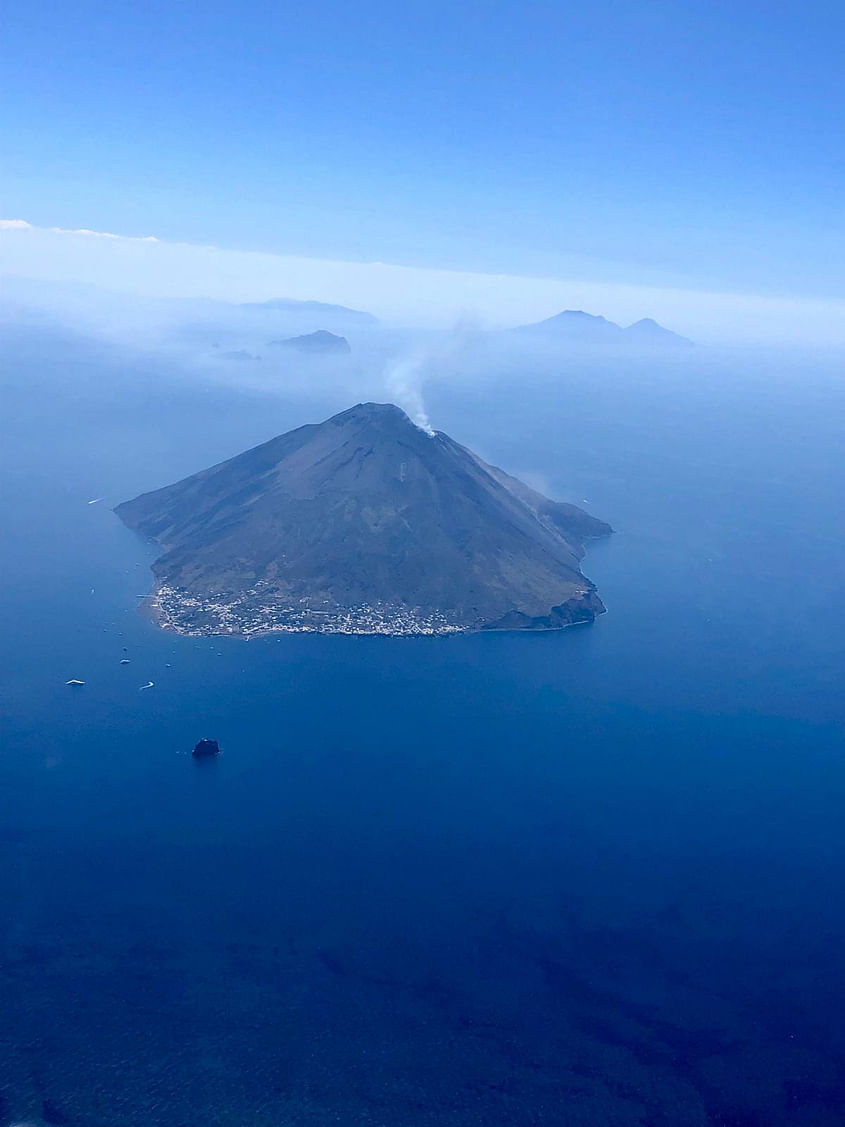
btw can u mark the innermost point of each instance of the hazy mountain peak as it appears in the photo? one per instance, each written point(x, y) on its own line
point(580, 315)
point(576, 326)
point(573, 323)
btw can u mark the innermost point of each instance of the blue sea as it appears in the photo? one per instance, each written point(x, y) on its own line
point(593, 878)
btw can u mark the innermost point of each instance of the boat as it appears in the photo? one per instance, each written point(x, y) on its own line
point(73, 681)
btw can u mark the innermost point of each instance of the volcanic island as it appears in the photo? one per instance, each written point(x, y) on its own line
point(363, 524)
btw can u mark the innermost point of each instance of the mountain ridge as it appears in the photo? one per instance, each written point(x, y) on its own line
point(295, 305)
point(576, 326)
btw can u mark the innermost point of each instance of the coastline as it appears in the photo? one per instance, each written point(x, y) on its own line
point(364, 621)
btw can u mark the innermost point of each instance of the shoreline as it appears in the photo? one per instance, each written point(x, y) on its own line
point(151, 609)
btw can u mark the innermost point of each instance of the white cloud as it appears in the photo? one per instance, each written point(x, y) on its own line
point(86, 231)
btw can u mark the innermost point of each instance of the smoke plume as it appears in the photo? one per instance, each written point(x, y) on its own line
point(404, 379)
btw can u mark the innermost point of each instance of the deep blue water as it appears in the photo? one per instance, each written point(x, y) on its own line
point(585, 878)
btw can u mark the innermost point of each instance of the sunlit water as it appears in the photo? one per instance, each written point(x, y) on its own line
point(592, 877)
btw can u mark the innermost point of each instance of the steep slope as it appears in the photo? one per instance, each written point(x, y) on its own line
point(363, 522)
point(648, 332)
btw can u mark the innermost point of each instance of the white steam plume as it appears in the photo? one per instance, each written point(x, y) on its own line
point(403, 378)
point(405, 374)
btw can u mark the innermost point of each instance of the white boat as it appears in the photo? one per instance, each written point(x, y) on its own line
point(73, 681)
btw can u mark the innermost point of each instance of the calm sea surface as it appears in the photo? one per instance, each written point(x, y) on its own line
point(585, 878)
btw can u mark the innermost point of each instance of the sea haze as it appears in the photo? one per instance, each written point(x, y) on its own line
point(586, 877)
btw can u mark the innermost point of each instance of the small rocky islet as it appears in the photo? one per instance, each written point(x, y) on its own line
point(205, 748)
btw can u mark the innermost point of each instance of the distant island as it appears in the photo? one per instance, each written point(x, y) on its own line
point(574, 326)
point(319, 343)
point(363, 524)
point(238, 354)
point(321, 308)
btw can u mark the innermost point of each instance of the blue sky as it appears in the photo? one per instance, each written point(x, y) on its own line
point(690, 144)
